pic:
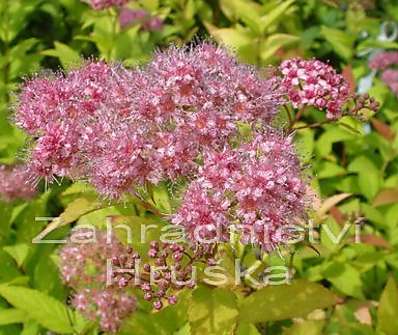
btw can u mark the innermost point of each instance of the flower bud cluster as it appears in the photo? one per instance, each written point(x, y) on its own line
point(364, 101)
point(167, 269)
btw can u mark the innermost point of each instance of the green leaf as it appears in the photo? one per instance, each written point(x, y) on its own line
point(231, 37)
point(304, 142)
point(170, 320)
point(186, 330)
point(310, 327)
point(212, 311)
point(275, 14)
point(12, 315)
point(341, 41)
point(161, 198)
point(40, 307)
point(245, 10)
point(369, 179)
point(31, 328)
point(274, 43)
point(72, 212)
point(388, 309)
point(345, 278)
point(329, 137)
point(282, 302)
point(247, 329)
point(325, 169)
point(19, 252)
point(8, 268)
point(66, 55)
point(351, 124)
point(78, 189)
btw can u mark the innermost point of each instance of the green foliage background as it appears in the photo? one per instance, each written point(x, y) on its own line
point(347, 288)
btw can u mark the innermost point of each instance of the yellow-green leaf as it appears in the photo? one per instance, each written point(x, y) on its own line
point(46, 310)
point(310, 327)
point(276, 14)
point(18, 251)
point(280, 302)
point(66, 55)
point(274, 43)
point(388, 309)
point(12, 315)
point(229, 36)
point(212, 311)
point(341, 41)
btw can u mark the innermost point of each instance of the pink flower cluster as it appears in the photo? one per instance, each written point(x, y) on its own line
point(128, 17)
point(64, 112)
point(257, 189)
point(390, 77)
point(83, 266)
point(383, 60)
point(14, 183)
point(103, 273)
point(110, 306)
point(120, 128)
point(314, 83)
point(104, 4)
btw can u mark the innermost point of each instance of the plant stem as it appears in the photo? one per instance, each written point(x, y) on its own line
point(313, 125)
point(289, 116)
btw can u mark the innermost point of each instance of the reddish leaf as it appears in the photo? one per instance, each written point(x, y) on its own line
point(330, 203)
point(385, 197)
point(383, 129)
point(337, 215)
point(349, 77)
point(375, 240)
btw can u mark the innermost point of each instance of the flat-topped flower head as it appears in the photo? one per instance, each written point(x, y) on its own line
point(209, 77)
point(121, 128)
point(257, 188)
point(62, 110)
point(314, 83)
